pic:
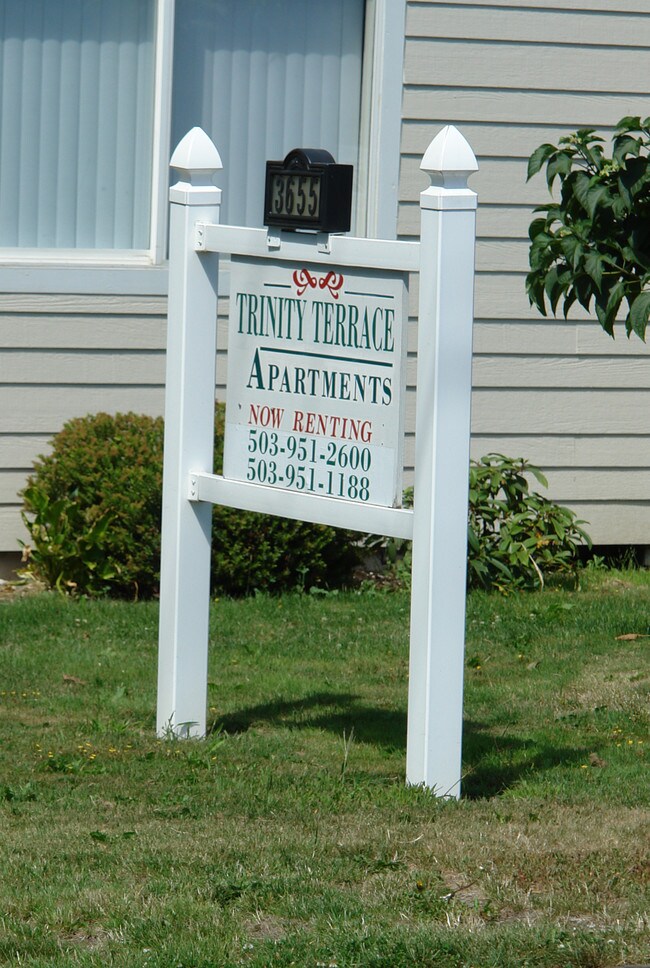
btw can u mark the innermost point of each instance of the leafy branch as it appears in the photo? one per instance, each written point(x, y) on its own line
point(594, 244)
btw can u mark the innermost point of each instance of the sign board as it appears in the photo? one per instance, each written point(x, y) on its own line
point(315, 390)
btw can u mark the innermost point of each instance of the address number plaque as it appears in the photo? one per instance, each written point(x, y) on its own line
point(308, 190)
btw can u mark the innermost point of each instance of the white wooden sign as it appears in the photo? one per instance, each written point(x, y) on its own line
point(315, 404)
point(315, 389)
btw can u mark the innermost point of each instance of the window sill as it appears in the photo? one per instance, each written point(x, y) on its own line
point(75, 274)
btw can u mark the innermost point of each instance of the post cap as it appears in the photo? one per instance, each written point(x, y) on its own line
point(196, 157)
point(449, 158)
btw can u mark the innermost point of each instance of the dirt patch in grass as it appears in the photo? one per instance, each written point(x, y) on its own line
point(21, 588)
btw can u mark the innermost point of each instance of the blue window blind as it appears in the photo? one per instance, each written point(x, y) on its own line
point(76, 123)
point(262, 77)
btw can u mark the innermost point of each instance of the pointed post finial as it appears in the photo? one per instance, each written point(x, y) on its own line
point(449, 160)
point(197, 161)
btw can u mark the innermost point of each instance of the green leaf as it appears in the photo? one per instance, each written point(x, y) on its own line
point(594, 264)
point(640, 245)
point(569, 300)
point(635, 176)
point(537, 474)
point(625, 145)
point(537, 226)
point(554, 286)
point(535, 291)
point(584, 290)
point(581, 185)
point(598, 196)
point(639, 312)
point(607, 313)
point(584, 135)
point(559, 165)
point(594, 156)
point(572, 249)
point(538, 158)
point(628, 123)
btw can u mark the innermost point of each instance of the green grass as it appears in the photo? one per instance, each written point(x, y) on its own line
point(288, 837)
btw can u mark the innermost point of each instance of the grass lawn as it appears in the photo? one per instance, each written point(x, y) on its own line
point(288, 837)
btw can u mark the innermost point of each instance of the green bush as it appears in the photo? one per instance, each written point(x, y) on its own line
point(92, 507)
point(516, 537)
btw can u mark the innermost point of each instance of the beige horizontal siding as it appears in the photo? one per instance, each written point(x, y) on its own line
point(600, 7)
point(494, 139)
point(565, 411)
point(21, 450)
point(11, 528)
point(85, 366)
point(445, 102)
point(64, 356)
point(82, 305)
point(511, 76)
point(546, 372)
point(614, 522)
point(555, 451)
point(506, 24)
point(100, 331)
point(434, 61)
point(11, 482)
point(551, 336)
point(44, 409)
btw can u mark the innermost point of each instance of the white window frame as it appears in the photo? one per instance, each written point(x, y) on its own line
point(144, 272)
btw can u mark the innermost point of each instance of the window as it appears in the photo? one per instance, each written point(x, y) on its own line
point(96, 94)
point(76, 123)
point(262, 77)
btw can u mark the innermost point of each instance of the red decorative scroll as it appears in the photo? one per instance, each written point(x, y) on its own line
point(303, 280)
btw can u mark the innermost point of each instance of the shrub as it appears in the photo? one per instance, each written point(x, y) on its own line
point(93, 505)
point(516, 537)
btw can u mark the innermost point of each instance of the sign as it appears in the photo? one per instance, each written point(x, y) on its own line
point(315, 392)
point(308, 190)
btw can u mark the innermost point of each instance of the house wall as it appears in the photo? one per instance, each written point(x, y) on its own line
point(511, 76)
point(63, 356)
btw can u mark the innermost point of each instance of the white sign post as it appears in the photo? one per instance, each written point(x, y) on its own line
point(315, 418)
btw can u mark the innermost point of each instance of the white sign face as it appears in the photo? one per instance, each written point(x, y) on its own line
point(315, 393)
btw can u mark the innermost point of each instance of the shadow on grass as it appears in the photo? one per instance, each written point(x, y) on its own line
point(331, 711)
point(493, 761)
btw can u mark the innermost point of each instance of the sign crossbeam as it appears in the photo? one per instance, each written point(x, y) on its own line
point(369, 518)
point(302, 247)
